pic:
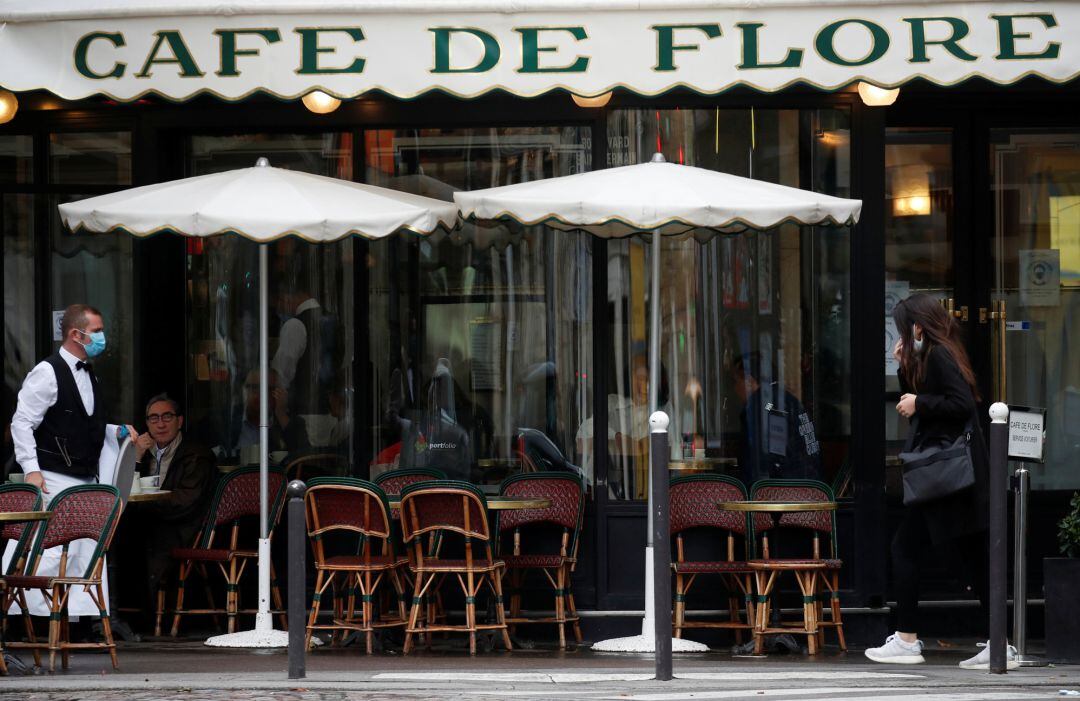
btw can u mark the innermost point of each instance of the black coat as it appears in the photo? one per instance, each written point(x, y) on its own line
point(944, 404)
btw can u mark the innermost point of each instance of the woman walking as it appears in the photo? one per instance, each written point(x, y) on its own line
point(939, 397)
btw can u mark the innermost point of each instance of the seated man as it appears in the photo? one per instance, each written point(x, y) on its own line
point(187, 470)
point(287, 432)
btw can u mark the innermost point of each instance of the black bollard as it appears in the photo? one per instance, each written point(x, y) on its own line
point(661, 538)
point(297, 586)
point(999, 461)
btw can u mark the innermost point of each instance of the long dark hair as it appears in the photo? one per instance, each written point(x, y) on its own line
point(939, 329)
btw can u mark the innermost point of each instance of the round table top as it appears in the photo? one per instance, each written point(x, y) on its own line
point(23, 516)
point(782, 506)
point(155, 495)
point(500, 503)
point(491, 463)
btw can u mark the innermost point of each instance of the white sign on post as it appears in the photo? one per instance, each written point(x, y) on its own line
point(1027, 433)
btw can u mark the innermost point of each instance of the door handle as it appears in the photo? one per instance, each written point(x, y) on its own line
point(961, 313)
point(984, 315)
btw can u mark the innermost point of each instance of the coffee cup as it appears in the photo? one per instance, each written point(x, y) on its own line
point(699, 453)
point(136, 486)
point(150, 483)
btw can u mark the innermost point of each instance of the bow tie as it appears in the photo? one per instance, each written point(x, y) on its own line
point(84, 365)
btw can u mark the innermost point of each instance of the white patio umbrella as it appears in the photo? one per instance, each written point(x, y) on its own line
point(665, 199)
point(262, 204)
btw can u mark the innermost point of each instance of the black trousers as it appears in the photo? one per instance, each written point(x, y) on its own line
point(966, 556)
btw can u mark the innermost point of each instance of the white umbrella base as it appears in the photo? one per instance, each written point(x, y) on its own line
point(646, 643)
point(251, 639)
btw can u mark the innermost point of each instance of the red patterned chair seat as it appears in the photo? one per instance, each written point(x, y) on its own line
point(210, 554)
point(710, 567)
point(353, 562)
point(536, 560)
point(19, 581)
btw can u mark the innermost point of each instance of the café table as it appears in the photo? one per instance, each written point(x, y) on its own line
point(702, 464)
point(778, 507)
point(14, 663)
point(149, 496)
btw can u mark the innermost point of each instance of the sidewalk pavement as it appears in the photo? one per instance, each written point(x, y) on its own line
point(191, 671)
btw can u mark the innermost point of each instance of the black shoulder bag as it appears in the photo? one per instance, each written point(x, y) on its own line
point(933, 472)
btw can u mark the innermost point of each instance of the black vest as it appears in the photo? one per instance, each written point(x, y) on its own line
point(69, 440)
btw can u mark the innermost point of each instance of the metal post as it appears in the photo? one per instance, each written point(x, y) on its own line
point(297, 585)
point(999, 458)
point(661, 602)
point(262, 618)
point(1020, 531)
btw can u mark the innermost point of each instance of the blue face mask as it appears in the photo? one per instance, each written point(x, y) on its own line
point(97, 343)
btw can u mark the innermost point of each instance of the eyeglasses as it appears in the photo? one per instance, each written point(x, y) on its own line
point(167, 417)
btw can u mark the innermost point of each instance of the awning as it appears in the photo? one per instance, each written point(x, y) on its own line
point(126, 49)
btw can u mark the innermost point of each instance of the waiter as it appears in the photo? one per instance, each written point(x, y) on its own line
point(59, 429)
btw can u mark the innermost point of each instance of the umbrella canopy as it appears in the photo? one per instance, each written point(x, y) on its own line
point(262, 203)
point(671, 198)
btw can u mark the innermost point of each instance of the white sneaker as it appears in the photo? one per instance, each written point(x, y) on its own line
point(896, 651)
point(982, 660)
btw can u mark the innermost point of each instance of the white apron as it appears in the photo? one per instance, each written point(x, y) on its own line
point(79, 551)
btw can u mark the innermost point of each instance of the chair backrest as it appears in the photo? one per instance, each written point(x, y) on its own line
point(83, 511)
point(694, 500)
point(444, 505)
point(125, 470)
point(347, 504)
point(820, 522)
point(564, 489)
point(393, 481)
point(18, 497)
point(237, 497)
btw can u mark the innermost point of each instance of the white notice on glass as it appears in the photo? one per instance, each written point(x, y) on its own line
point(1027, 432)
point(1040, 277)
point(57, 316)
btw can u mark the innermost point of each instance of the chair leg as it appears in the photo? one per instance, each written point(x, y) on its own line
point(315, 602)
point(28, 624)
point(680, 605)
point(574, 613)
point(560, 611)
point(159, 612)
point(182, 575)
point(54, 630)
point(208, 592)
point(367, 612)
point(232, 597)
point(414, 613)
point(106, 629)
point(834, 606)
point(470, 611)
point(500, 610)
point(65, 638)
point(275, 597)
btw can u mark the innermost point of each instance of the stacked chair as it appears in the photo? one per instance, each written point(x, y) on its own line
point(566, 493)
point(84, 511)
point(336, 508)
point(235, 501)
point(694, 500)
point(450, 511)
point(816, 573)
point(16, 497)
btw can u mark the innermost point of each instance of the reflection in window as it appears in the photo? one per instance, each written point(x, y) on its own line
point(481, 340)
point(90, 158)
point(17, 223)
point(311, 292)
point(16, 158)
point(755, 327)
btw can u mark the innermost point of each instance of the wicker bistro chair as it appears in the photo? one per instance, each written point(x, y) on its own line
point(16, 497)
point(445, 508)
point(235, 500)
point(341, 506)
point(694, 500)
point(565, 490)
point(809, 572)
point(394, 481)
point(84, 511)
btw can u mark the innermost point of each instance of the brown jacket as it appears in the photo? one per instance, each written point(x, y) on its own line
point(191, 478)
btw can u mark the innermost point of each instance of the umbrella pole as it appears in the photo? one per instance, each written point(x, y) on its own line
point(648, 625)
point(262, 618)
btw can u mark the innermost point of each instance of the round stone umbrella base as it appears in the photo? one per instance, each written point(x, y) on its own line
point(646, 643)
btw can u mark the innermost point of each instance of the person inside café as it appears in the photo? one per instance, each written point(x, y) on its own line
point(288, 433)
point(777, 438)
point(187, 470)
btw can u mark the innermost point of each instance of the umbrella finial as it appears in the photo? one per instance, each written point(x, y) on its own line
point(658, 158)
point(263, 162)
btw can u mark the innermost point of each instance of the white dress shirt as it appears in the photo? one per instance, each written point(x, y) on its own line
point(291, 344)
point(38, 394)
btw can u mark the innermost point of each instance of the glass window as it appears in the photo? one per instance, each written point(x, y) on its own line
point(96, 269)
point(17, 221)
point(90, 158)
point(16, 158)
point(1035, 178)
point(918, 236)
point(755, 327)
point(481, 340)
point(311, 293)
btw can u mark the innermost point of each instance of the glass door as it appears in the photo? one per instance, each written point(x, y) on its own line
point(1035, 183)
